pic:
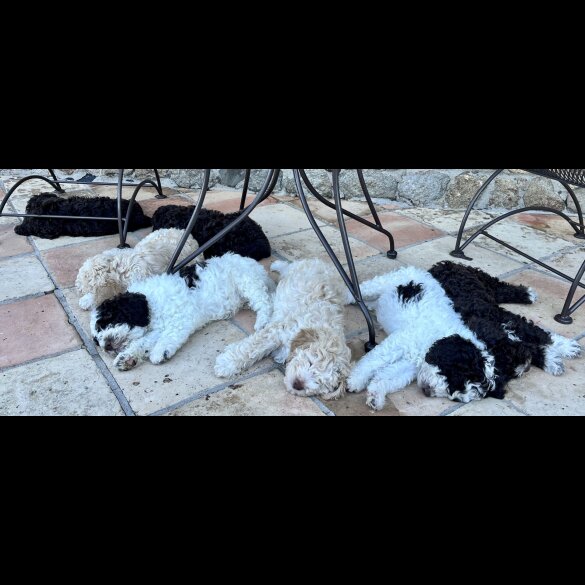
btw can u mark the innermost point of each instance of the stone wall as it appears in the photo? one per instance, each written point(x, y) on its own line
point(442, 188)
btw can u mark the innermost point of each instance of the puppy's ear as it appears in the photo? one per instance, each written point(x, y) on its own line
point(303, 337)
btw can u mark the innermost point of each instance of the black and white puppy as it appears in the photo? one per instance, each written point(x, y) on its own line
point(515, 343)
point(247, 239)
point(52, 204)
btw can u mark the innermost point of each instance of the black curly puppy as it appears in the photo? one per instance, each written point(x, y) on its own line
point(514, 342)
point(247, 239)
point(51, 204)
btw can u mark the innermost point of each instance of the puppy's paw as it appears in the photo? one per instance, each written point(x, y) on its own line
point(86, 302)
point(356, 383)
point(261, 322)
point(225, 367)
point(160, 356)
point(125, 362)
point(376, 401)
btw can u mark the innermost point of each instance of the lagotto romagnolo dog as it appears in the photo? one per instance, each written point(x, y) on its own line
point(156, 317)
point(514, 342)
point(51, 204)
point(109, 274)
point(415, 312)
point(247, 239)
point(306, 331)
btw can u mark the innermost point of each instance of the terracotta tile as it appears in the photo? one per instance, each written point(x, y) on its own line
point(33, 329)
point(23, 276)
point(552, 294)
point(549, 223)
point(64, 263)
point(232, 205)
point(327, 214)
point(447, 220)
point(66, 385)
point(10, 243)
point(405, 231)
point(263, 395)
point(151, 205)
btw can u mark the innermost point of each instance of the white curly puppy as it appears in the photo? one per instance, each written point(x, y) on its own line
point(415, 311)
point(156, 317)
point(306, 330)
point(109, 274)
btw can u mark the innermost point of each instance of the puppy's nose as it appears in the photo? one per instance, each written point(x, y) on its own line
point(298, 384)
point(95, 340)
point(427, 391)
point(109, 346)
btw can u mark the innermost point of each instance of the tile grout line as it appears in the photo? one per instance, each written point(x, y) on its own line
point(39, 359)
point(88, 343)
point(211, 391)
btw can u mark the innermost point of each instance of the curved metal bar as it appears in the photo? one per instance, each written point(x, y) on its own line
point(59, 190)
point(245, 189)
point(482, 230)
point(132, 201)
point(121, 229)
point(581, 232)
point(360, 174)
point(158, 186)
point(379, 228)
point(565, 317)
point(272, 184)
point(19, 183)
point(202, 249)
point(458, 252)
point(353, 282)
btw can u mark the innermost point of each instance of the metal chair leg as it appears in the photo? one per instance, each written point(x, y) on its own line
point(158, 186)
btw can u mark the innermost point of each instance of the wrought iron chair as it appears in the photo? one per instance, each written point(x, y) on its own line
point(301, 181)
point(567, 178)
point(123, 222)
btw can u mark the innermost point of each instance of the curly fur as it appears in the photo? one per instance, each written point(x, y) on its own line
point(306, 331)
point(156, 329)
point(414, 310)
point(51, 204)
point(514, 341)
point(109, 274)
point(247, 239)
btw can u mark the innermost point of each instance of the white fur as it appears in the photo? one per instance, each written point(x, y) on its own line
point(413, 327)
point(225, 285)
point(561, 347)
point(109, 274)
point(306, 329)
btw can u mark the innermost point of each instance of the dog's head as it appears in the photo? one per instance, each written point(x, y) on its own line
point(456, 369)
point(119, 321)
point(318, 364)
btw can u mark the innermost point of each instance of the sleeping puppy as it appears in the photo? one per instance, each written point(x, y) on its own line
point(51, 204)
point(247, 239)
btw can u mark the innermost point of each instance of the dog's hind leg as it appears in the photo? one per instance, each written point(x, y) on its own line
point(389, 379)
point(507, 293)
point(242, 355)
point(381, 356)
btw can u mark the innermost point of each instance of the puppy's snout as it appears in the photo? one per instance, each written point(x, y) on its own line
point(298, 384)
point(427, 391)
point(109, 346)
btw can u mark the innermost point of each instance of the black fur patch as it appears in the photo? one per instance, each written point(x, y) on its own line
point(458, 360)
point(247, 239)
point(410, 292)
point(51, 204)
point(191, 273)
point(127, 309)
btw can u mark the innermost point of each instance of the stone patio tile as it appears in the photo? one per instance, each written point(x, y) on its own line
point(373, 266)
point(412, 402)
point(229, 201)
point(355, 405)
point(306, 244)
point(445, 219)
point(540, 394)
point(64, 263)
point(20, 277)
point(264, 395)
point(33, 329)
point(10, 243)
point(151, 388)
point(67, 385)
point(146, 193)
point(552, 293)
point(405, 231)
point(569, 262)
point(327, 214)
point(277, 220)
point(550, 224)
point(534, 242)
point(427, 254)
point(487, 407)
